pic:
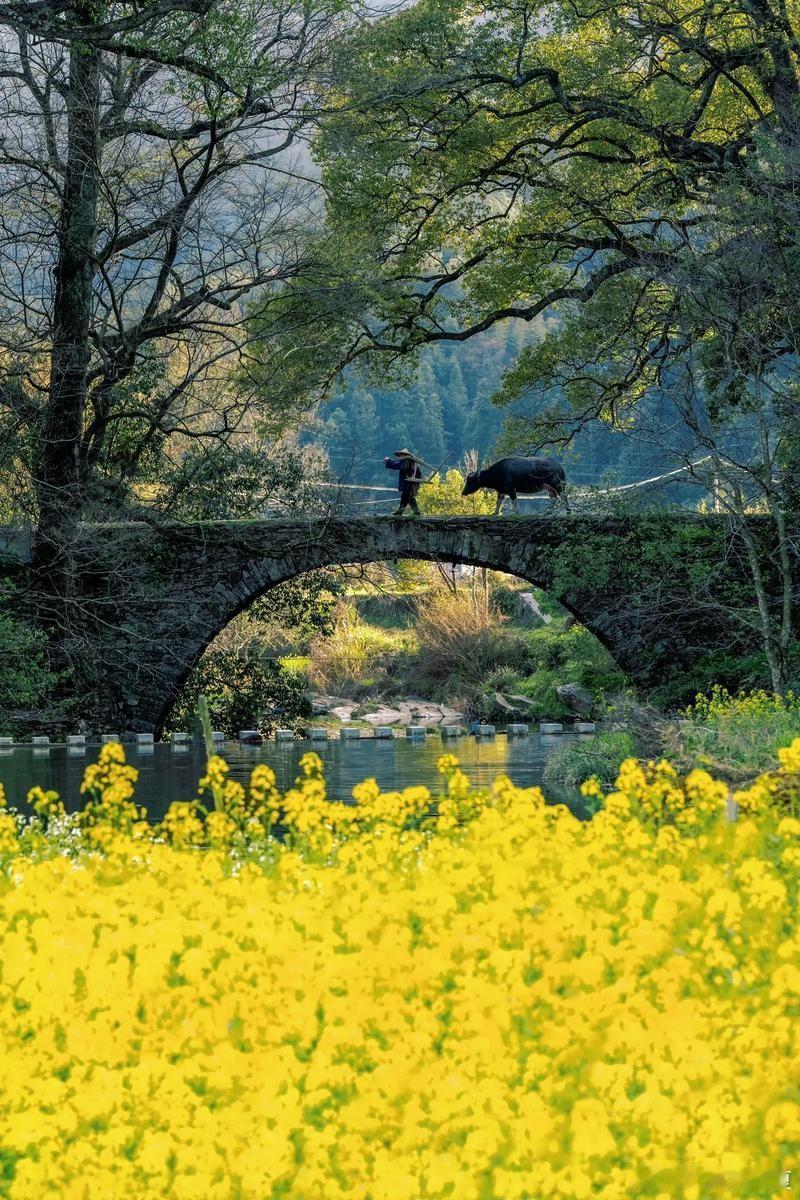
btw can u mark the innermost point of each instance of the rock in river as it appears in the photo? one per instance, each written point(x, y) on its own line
point(575, 697)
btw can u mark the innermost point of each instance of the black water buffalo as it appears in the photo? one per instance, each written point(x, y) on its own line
point(518, 476)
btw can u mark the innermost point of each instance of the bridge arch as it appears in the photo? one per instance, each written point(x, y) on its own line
point(168, 591)
point(249, 591)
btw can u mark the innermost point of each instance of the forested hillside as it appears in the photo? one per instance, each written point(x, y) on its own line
point(446, 410)
point(442, 413)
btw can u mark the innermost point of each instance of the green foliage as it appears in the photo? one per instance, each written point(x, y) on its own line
point(162, 398)
point(225, 482)
point(555, 655)
point(664, 583)
point(651, 255)
point(298, 665)
point(26, 679)
point(302, 607)
point(733, 672)
point(388, 611)
point(739, 733)
point(412, 575)
point(244, 691)
point(495, 89)
point(442, 497)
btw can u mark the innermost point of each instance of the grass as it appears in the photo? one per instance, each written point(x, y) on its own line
point(389, 611)
point(597, 756)
point(461, 641)
point(555, 654)
point(737, 737)
point(357, 657)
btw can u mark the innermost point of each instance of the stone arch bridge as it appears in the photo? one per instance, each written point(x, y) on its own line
point(153, 597)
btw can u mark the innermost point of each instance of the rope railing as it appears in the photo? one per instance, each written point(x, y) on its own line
point(609, 491)
point(626, 487)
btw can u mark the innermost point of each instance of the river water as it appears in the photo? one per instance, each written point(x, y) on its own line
point(167, 774)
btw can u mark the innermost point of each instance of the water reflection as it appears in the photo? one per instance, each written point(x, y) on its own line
point(166, 775)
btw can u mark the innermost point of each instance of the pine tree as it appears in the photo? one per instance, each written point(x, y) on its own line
point(349, 435)
point(396, 419)
point(455, 409)
point(429, 434)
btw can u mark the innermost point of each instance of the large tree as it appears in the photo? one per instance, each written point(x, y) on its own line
point(154, 176)
point(513, 159)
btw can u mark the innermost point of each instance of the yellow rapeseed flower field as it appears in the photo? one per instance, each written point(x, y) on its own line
point(480, 997)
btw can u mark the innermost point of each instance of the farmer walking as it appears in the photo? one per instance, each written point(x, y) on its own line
point(408, 480)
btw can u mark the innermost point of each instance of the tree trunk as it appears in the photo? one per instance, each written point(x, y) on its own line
point(787, 582)
point(58, 466)
point(772, 644)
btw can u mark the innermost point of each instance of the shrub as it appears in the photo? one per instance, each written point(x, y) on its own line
point(388, 610)
point(442, 497)
point(297, 665)
point(735, 672)
point(461, 640)
point(244, 691)
point(597, 756)
point(554, 655)
point(26, 679)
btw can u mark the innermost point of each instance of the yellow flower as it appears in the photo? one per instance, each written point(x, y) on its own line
point(9, 843)
point(789, 757)
point(470, 994)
